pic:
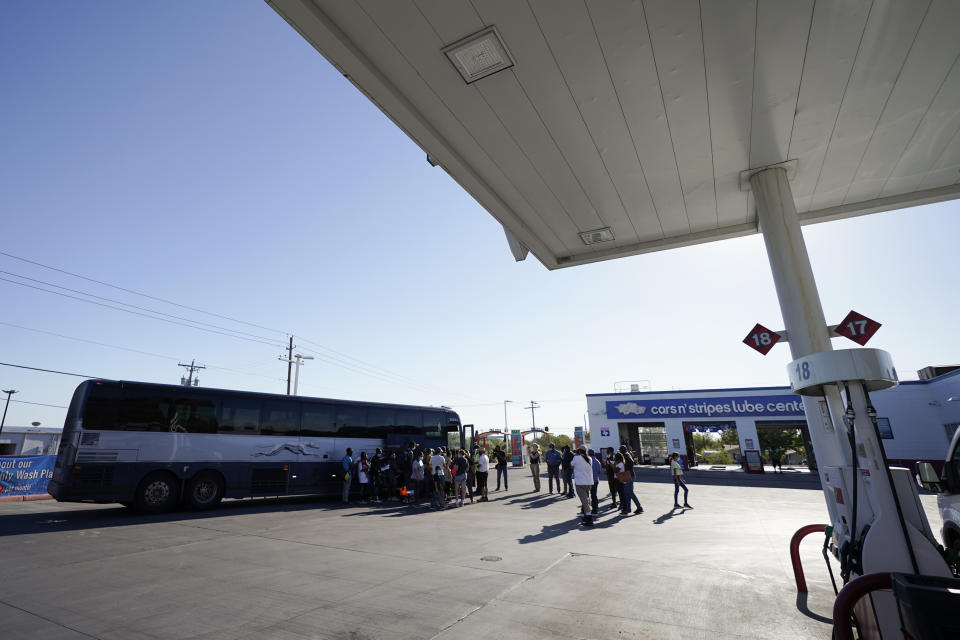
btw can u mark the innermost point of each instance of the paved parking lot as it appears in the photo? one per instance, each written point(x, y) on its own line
point(516, 567)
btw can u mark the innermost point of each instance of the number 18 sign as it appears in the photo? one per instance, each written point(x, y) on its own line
point(761, 339)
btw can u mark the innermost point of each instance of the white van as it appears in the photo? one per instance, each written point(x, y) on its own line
point(948, 488)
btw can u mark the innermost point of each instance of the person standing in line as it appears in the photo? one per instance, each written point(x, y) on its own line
point(582, 467)
point(363, 476)
point(436, 482)
point(533, 454)
point(483, 470)
point(610, 466)
point(595, 463)
point(416, 477)
point(461, 466)
point(677, 471)
point(500, 458)
point(554, 460)
point(627, 480)
point(376, 474)
point(388, 471)
point(347, 464)
point(472, 473)
point(567, 466)
point(448, 473)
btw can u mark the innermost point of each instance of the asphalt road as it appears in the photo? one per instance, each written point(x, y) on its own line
point(519, 566)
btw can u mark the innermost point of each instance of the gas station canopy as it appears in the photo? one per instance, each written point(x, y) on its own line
point(595, 130)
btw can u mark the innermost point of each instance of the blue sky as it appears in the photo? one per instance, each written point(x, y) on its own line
point(204, 154)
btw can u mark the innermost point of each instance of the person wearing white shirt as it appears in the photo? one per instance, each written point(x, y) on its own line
point(483, 469)
point(583, 482)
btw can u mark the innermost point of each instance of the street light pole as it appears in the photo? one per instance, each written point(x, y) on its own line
point(505, 426)
point(296, 376)
point(3, 420)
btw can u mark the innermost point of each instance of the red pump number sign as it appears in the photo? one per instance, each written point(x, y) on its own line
point(857, 327)
point(761, 339)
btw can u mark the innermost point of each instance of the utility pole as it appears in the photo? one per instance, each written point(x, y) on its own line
point(3, 420)
point(533, 417)
point(289, 363)
point(189, 381)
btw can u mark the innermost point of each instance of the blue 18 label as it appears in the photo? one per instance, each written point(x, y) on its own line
point(803, 370)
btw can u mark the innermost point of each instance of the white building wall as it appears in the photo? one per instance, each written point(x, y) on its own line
point(918, 412)
point(32, 441)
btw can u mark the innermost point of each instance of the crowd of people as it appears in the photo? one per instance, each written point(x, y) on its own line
point(448, 477)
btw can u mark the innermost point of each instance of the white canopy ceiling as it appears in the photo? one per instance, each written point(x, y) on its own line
point(639, 117)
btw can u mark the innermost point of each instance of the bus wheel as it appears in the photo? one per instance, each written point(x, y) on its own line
point(204, 491)
point(157, 492)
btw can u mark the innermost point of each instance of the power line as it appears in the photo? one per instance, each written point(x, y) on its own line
point(137, 293)
point(136, 313)
point(41, 404)
point(146, 353)
point(132, 306)
point(344, 360)
point(20, 366)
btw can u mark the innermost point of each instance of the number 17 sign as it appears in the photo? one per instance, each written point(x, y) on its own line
point(761, 339)
point(857, 327)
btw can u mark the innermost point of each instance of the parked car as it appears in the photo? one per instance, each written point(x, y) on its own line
point(947, 486)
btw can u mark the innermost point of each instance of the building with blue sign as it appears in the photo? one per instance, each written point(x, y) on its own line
point(916, 419)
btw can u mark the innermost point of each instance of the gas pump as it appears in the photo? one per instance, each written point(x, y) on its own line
point(878, 522)
point(878, 525)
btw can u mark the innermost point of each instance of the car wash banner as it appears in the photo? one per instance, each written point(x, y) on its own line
point(736, 407)
point(25, 475)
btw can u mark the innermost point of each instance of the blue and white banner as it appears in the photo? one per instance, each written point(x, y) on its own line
point(25, 475)
point(741, 406)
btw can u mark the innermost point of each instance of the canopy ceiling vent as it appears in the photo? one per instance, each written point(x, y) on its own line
point(479, 55)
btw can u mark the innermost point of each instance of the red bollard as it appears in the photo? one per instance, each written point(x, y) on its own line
point(801, 533)
point(848, 597)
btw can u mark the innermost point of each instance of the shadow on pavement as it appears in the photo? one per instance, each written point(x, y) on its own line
point(119, 516)
point(732, 478)
point(805, 610)
point(669, 514)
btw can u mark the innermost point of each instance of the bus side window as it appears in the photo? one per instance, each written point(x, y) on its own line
point(144, 410)
point(382, 419)
point(102, 409)
point(318, 420)
point(194, 415)
point(351, 421)
point(433, 424)
point(240, 415)
point(409, 421)
point(281, 418)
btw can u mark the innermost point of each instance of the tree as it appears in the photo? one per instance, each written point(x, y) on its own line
point(558, 440)
point(781, 439)
point(729, 436)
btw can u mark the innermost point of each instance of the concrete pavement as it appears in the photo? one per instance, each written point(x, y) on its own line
point(517, 567)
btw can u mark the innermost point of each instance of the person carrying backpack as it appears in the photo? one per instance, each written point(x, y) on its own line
point(554, 460)
point(347, 465)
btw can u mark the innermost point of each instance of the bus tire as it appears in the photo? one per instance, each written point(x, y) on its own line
point(158, 491)
point(204, 491)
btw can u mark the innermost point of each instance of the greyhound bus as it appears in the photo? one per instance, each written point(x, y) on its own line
point(156, 446)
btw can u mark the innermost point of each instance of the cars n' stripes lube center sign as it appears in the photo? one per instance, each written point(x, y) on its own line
point(743, 406)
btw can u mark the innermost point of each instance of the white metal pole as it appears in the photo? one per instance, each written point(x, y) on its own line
point(884, 547)
point(800, 306)
point(296, 376)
